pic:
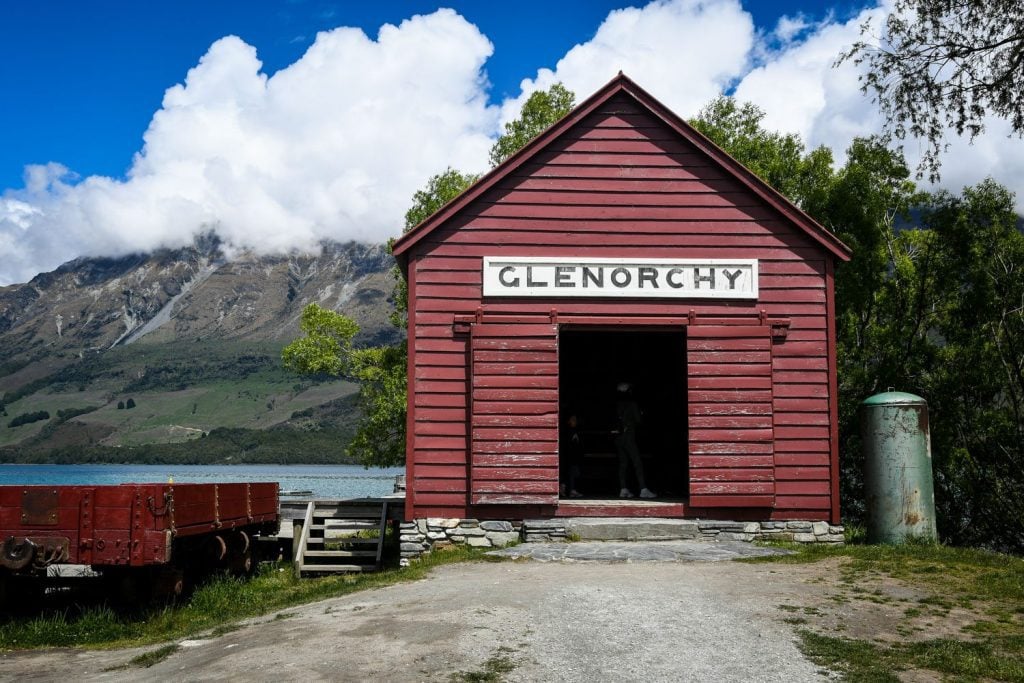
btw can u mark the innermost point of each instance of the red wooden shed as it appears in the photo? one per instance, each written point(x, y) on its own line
point(621, 245)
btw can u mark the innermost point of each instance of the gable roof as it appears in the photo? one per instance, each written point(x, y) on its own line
point(623, 84)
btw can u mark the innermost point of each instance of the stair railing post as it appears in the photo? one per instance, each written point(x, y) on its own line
point(302, 540)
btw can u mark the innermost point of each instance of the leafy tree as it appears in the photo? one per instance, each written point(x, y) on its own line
point(120, 405)
point(129, 404)
point(778, 159)
point(540, 110)
point(945, 64)
point(932, 303)
point(29, 418)
point(381, 371)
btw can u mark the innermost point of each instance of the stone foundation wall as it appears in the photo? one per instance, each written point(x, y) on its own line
point(424, 535)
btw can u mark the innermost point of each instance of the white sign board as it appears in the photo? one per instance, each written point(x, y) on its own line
point(613, 277)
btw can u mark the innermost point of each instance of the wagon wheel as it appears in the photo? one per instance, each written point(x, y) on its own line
point(240, 556)
point(169, 584)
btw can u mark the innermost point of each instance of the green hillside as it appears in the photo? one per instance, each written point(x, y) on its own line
point(182, 402)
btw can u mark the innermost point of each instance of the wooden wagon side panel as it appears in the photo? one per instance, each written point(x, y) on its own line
point(731, 449)
point(514, 446)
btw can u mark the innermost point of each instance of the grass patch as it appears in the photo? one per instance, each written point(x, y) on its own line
point(148, 659)
point(221, 601)
point(989, 583)
point(492, 670)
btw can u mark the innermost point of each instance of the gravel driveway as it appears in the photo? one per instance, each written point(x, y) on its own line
point(536, 621)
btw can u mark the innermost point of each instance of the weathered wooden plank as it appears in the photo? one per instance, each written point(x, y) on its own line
point(439, 387)
point(719, 395)
point(513, 407)
point(802, 488)
point(432, 400)
point(504, 499)
point(440, 373)
point(423, 428)
point(748, 356)
point(677, 225)
point(790, 432)
point(807, 390)
point(728, 409)
point(517, 486)
point(621, 185)
point(806, 418)
point(731, 473)
point(440, 443)
point(441, 359)
point(731, 435)
point(802, 473)
point(518, 447)
point(805, 363)
point(730, 383)
point(424, 456)
point(507, 472)
point(537, 170)
point(425, 414)
point(731, 488)
point(502, 460)
point(518, 369)
point(514, 395)
point(730, 369)
point(427, 484)
point(528, 420)
point(728, 501)
point(637, 213)
point(513, 434)
point(638, 197)
point(512, 382)
point(809, 503)
point(730, 461)
point(701, 422)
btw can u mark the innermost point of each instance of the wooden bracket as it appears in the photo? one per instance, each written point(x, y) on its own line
point(780, 330)
point(691, 317)
point(553, 315)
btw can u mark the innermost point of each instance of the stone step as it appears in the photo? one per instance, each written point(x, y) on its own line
point(630, 528)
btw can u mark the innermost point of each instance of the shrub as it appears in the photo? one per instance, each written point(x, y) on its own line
point(29, 418)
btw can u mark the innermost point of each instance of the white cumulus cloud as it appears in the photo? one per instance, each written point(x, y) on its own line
point(333, 146)
point(685, 52)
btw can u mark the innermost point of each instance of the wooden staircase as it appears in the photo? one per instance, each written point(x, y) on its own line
point(340, 536)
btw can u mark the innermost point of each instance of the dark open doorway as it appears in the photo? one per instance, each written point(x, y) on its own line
point(592, 362)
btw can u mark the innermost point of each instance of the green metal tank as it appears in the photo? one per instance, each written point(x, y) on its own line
point(897, 468)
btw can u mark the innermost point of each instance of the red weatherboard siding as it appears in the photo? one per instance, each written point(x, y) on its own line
point(618, 183)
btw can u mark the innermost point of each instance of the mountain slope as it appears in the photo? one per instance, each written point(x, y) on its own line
point(191, 336)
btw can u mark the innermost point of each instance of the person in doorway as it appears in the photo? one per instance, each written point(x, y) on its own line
point(571, 457)
point(629, 416)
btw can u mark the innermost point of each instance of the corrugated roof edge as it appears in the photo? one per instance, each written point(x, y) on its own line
point(622, 83)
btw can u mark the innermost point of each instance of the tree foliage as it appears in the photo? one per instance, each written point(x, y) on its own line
point(541, 109)
point(942, 64)
point(380, 371)
point(931, 303)
point(779, 159)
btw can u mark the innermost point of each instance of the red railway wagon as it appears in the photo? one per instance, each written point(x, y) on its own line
point(158, 531)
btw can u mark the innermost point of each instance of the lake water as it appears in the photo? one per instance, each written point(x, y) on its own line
point(325, 481)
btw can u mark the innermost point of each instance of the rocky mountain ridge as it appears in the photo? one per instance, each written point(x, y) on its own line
point(192, 294)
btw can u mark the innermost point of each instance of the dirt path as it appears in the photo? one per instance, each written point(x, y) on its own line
point(531, 621)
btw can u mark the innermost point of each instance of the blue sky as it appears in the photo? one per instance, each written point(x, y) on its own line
point(126, 126)
point(81, 80)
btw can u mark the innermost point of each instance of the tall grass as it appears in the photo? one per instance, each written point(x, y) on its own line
point(221, 601)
